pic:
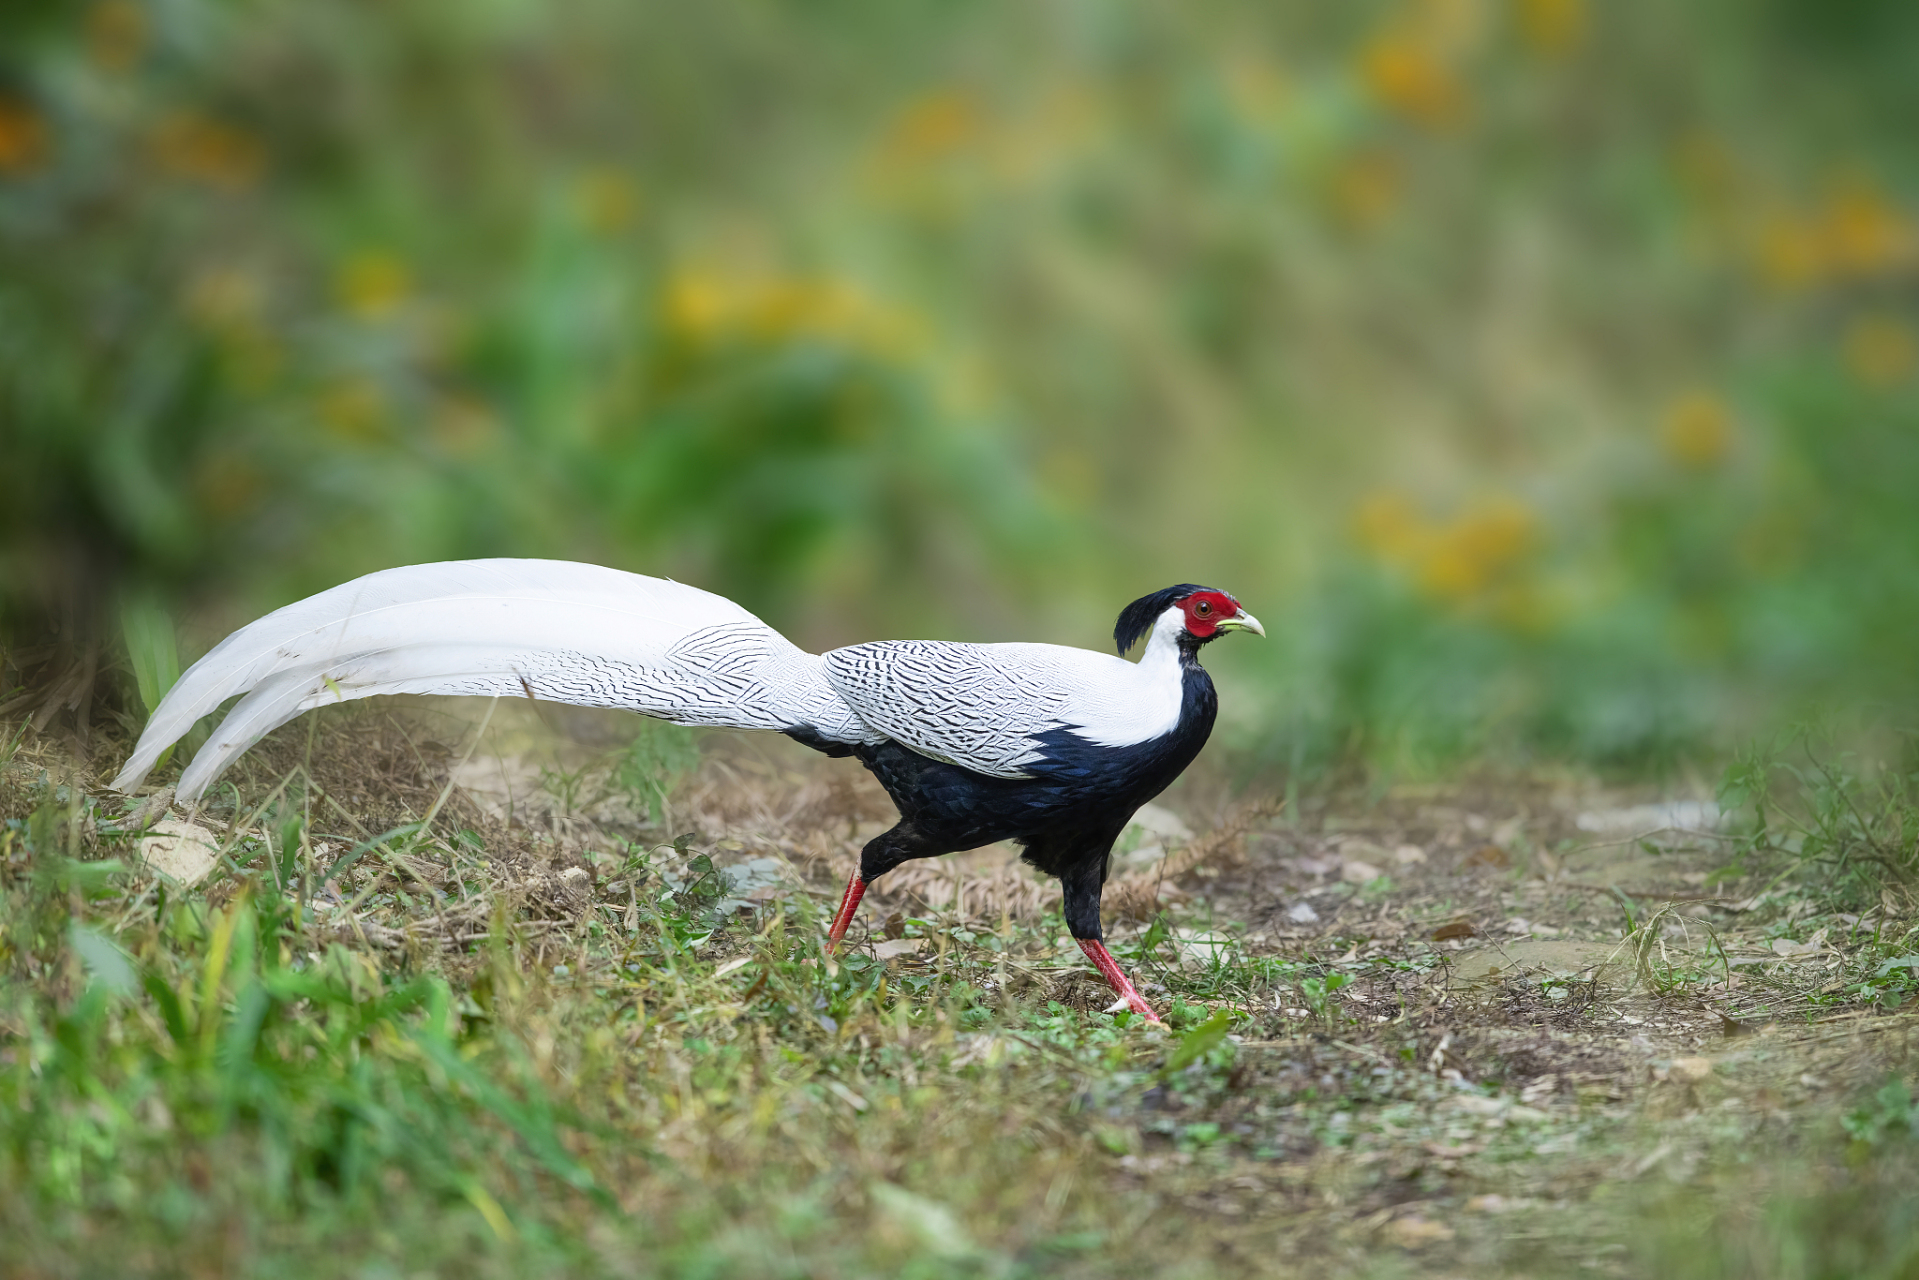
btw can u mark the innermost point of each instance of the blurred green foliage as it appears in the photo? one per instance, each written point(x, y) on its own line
point(1542, 372)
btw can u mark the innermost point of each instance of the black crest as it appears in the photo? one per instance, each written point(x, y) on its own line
point(1137, 618)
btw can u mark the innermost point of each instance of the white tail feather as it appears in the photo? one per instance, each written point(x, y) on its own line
point(549, 629)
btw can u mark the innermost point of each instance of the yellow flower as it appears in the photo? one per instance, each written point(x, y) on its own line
point(705, 306)
point(1881, 350)
point(23, 137)
point(1865, 233)
point(1408, 76)
point(116, 34)
point(1552, 27)
point(372, 285)
point(1856, 232)
point(932, 127)
point(1697, 429)
point(1467, 560)
point(1464, 557)
point(606, 199)
point(697, 305)
point(189, 145)
point(354, 409)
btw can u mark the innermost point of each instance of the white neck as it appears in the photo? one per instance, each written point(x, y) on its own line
point(1162, 648)
point(1116, 703)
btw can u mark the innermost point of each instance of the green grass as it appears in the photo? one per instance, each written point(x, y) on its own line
point(193, 1085)
point(507, 1069)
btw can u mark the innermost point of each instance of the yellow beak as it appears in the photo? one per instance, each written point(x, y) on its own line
point(1242, 621)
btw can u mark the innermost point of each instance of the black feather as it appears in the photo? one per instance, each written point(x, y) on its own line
point(1067, 814)
point(1137, 618)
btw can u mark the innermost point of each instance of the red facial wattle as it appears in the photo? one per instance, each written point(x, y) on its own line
point(1205, 610)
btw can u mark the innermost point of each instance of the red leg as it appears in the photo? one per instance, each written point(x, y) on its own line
point(855, 890)
point(1109, 969)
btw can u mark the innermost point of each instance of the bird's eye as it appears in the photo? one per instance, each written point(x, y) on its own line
point(1203, 608)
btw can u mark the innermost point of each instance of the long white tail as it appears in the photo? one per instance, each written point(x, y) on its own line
point(550, 629)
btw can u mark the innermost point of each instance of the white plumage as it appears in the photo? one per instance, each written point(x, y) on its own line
point(594, 636)
point(551, 629)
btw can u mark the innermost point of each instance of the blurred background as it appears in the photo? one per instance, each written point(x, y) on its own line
point(1543, 373)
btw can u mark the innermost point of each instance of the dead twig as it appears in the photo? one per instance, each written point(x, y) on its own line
point(1136, 897)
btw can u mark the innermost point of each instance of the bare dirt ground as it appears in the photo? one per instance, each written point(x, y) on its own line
point(1510, 1025)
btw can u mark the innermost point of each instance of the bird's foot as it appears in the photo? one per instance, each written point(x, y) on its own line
point(849, 903)
point(1116, 978)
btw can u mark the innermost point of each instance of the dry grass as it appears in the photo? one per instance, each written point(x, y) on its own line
point(668, 1077)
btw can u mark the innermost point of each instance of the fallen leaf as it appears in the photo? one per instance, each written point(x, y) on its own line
point(1416, 1232)
point(1691, 1068)
point(1408, 854)
point(1491, 1203)
point(1651, 1158)
point(1787, 949)
point(1163, 823)
point(1303, 913)
point(1488, 855)
point(938, 1231)
point(894, 948)
point(1454, 929)
point(1200, 947)
point(1445, 1151)
point(1651, 818)
point(847, 1096)
point(1353, 871)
